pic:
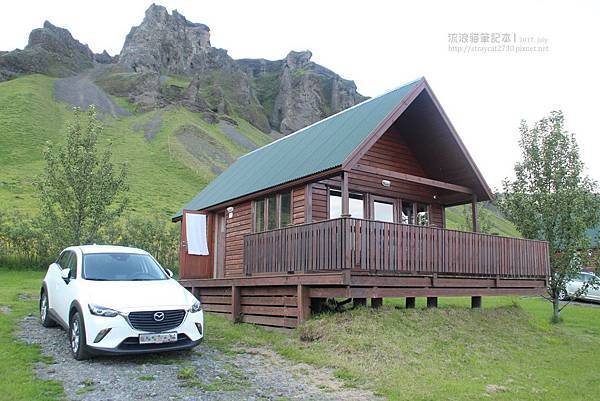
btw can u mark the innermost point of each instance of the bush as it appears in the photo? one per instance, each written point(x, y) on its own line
point(25, 243)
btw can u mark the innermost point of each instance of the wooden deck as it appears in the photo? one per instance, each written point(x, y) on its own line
point(373, 246)
point(284, 300)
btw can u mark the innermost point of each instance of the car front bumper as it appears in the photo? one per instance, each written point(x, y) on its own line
point(123, 338)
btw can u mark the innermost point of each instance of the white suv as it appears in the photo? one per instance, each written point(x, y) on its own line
point(118, 300)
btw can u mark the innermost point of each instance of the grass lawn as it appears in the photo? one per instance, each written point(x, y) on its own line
point(505, 351)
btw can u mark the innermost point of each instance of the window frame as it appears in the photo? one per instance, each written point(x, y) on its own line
point(265, 201)
point(365, 201)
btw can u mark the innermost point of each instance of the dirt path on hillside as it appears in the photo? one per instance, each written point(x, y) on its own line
point(81, 91)
point(201, 374)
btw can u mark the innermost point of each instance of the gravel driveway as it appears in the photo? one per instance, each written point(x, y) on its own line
point(201, 374)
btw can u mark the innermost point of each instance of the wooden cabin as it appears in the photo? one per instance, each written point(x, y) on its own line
point(352, 207)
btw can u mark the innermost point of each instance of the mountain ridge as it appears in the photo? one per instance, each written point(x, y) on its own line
point(292, 93)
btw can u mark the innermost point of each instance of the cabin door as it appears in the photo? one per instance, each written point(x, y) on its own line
point(192, 262)
point(219, 245)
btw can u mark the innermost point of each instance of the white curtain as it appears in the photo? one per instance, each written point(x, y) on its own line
point(195, 228)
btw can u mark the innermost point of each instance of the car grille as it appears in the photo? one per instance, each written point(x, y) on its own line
point(145, 320)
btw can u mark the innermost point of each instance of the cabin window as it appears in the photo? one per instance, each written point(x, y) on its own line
point(383, 211)
point(274, 211)
point(285, 209)
point(356, 204)
point(259, 215)
point(422, 214)
point(408, 216)
point(415, 213)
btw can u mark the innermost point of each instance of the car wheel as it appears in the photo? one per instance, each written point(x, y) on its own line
point(563, 295)
point(45, 318)
point(77, 337)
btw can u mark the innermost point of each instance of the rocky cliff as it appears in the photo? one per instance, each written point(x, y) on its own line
point(168, 60)
point(51, 50)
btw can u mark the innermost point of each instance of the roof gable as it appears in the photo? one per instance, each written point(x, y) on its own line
point(321, 146)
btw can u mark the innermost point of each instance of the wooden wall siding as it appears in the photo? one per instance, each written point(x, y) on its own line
point(389, 247)
point(392, 153)
point(216, 300)
point(235, 229)
point(270, 306)
point(436, 215)
point(298, 204)
point(320, 208)
point(267, 306)
point(427, 135)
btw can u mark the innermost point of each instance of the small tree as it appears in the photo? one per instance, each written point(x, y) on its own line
point(551, 199)
point(80, 191)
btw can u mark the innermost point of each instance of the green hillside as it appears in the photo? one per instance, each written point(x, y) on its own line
point(164, 171)
point(455, 219)
point(166, 168)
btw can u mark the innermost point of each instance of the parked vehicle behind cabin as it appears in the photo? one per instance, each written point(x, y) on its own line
point(573, 289)
point(118, 300)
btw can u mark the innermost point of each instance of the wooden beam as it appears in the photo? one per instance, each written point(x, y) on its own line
point(412, 178)
point(235, 304)
point(474, 214)
point(303, 300)
point(345, 195)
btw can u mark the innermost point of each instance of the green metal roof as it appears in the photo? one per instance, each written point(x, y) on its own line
point(318, 147)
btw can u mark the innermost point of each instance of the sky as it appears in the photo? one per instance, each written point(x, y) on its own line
point(539, 55)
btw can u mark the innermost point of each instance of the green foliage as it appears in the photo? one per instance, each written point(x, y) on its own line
point(551, 199)
point(267, 87)
point(80, 192)
point(159, 238)
point(25, 243)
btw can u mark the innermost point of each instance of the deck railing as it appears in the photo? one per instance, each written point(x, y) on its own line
point(366, 245)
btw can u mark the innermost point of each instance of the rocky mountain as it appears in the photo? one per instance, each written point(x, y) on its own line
point(168, 60)
point(51, 50)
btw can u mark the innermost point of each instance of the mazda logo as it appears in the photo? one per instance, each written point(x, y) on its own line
point(159, 316)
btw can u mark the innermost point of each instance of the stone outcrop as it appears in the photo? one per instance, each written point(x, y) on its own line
point(51, 50)
point(303, 92)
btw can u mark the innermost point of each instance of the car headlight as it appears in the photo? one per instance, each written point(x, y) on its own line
point(196, 307)
point(102, 311)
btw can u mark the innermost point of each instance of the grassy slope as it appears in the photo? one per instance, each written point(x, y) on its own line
point(450, 353)
point(455, 219)
point(163, 175)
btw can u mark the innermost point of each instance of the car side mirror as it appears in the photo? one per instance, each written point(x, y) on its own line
point(169, 273)
point(65, 274)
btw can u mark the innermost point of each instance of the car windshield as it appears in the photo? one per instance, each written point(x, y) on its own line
point(121, 267)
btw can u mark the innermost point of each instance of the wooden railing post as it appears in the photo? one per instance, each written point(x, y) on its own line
point(345, 196)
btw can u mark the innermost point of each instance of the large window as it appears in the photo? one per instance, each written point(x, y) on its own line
point(383, 211)
point(356, 205)
point(274, 211)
